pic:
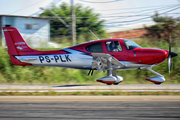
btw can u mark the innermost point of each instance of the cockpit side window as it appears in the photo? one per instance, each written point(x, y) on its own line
point(130, 44)
point(113, 46)
point(97, 47)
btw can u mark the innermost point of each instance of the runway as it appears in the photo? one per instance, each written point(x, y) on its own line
point(89, 107)
point(74, 88)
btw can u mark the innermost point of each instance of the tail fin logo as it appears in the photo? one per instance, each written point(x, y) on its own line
point(20, 48)
point(8, 30)
point(20, 43)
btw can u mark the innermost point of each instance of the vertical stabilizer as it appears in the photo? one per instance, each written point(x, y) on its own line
point(16, 44)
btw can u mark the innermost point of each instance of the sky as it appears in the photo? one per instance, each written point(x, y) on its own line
point(115, 12)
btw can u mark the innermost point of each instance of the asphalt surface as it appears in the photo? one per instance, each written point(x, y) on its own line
point(73, 88)
point(90, 110)
point(89, 107)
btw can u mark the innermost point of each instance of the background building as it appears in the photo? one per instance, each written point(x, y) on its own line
point(35, 30)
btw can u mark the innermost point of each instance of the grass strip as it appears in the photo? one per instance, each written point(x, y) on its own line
point(53, 93)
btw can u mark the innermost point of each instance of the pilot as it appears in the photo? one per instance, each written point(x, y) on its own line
point(114, 46)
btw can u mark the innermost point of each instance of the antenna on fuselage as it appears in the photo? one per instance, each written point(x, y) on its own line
point(94, 34)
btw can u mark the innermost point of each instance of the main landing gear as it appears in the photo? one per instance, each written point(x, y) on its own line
point(112, 77)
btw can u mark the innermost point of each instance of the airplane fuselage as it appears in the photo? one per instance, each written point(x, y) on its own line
point(79, 56)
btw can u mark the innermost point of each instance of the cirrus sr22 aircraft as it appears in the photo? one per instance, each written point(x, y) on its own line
point(103, 55)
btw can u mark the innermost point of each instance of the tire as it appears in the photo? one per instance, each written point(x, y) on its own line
point(109, 84)
point(116, 83)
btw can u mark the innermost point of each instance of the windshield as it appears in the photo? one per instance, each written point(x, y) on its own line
point(130, 44)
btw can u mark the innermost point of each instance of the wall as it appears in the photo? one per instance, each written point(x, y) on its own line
point(0, 27)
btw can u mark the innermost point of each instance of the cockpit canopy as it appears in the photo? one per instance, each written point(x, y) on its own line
point(107, 45)
point(130, 44)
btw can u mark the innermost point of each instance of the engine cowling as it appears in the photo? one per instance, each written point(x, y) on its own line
point(156, 79)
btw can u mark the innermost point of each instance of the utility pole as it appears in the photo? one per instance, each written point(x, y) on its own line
point(73, 21)
point(73, 25)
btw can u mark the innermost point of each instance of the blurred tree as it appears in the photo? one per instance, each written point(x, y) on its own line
point(165, 27)
point(85, 20)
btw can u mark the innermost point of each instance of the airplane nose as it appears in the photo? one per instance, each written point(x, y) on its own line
point(173, 54)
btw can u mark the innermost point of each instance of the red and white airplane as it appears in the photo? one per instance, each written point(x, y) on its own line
point(103, 55)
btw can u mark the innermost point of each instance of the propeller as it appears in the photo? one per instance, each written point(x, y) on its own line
point(170, 55)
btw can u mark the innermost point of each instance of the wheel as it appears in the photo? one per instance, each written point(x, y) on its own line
point(116, 83)
point(109, 84)
point(157, 83)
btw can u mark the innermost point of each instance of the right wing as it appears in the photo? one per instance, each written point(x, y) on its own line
point(100, 62)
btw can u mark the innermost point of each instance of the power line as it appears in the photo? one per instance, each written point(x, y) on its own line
point(146, 17)
point(137, 7)
point(79, 17)
point(53, 2)
point(100, 2)
point(131, 23)
point(27, 6)
point(114, 22)
point(144, 14)
point(144, 10)
point(59, 18)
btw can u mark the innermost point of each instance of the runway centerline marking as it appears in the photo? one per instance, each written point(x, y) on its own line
point(94, 107)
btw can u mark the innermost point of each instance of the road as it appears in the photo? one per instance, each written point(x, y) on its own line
point(89, 107)
point(73, 88)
